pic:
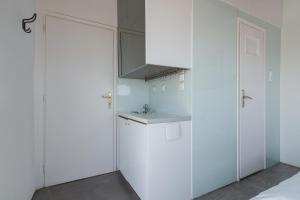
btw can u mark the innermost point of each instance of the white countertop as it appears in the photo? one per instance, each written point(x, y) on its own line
point(154, 118)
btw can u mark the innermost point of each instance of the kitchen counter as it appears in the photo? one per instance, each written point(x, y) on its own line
point(154, 118)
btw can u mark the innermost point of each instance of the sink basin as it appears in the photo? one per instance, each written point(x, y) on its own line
point(154, 118)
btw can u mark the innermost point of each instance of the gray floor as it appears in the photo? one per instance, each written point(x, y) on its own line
point(114, 187)
point(253, 185)
point(106, 187)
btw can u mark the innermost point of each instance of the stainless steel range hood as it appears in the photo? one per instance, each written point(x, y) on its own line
point(132, 58)
point(149, 71)
point(132, 44)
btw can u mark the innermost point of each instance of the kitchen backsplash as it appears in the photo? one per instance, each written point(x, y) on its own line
point(132, 94)
point(171, 94)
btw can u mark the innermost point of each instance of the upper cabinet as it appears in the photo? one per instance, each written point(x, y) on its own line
point(155, 37)
point(169, 32)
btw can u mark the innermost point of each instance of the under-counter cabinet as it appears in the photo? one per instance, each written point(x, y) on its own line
point(156, 158)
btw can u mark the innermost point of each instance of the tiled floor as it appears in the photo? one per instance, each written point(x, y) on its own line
point(106, 187)
point(253, 185)
point(114, 187)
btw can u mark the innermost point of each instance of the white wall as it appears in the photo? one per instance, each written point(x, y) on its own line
point(267, 10)
point(290, 82)
point(101, 11)
point(16, 99)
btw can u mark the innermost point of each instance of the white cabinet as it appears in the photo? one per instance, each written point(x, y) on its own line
point(133, 144)
point(169, 32)
point(155, 36)
point(156, 159)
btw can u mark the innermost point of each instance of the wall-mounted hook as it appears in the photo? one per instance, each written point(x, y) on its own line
point(26, 21)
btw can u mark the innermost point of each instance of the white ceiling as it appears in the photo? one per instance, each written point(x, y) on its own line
point(267, 10)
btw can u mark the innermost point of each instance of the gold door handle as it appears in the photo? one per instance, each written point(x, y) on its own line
point(108, 96)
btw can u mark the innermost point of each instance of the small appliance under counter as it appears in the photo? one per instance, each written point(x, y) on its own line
point(154, 154)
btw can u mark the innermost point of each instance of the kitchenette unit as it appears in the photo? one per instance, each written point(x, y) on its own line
point(154, 148)
point(155, 154)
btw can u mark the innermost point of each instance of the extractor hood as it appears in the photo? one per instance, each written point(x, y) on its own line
point(150, 71)
point(135, 58)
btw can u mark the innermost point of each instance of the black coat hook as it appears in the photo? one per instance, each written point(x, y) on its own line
point(26, 21)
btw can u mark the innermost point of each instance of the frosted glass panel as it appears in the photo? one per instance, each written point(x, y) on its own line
point(214, 96)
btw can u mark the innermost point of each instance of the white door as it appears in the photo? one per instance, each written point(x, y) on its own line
point(252, 99)
point(79, 140)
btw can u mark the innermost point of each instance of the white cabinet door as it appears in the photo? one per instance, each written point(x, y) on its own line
point(133, 149)
point(169, 32)
point(120, 132)
point(79, 139)
point(123, 144)
point(169, 165)
point(156, 159)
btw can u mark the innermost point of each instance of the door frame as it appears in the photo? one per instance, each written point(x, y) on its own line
point(40, 89)
point(240, 21)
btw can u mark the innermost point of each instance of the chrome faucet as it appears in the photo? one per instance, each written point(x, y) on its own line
point(146, 109)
